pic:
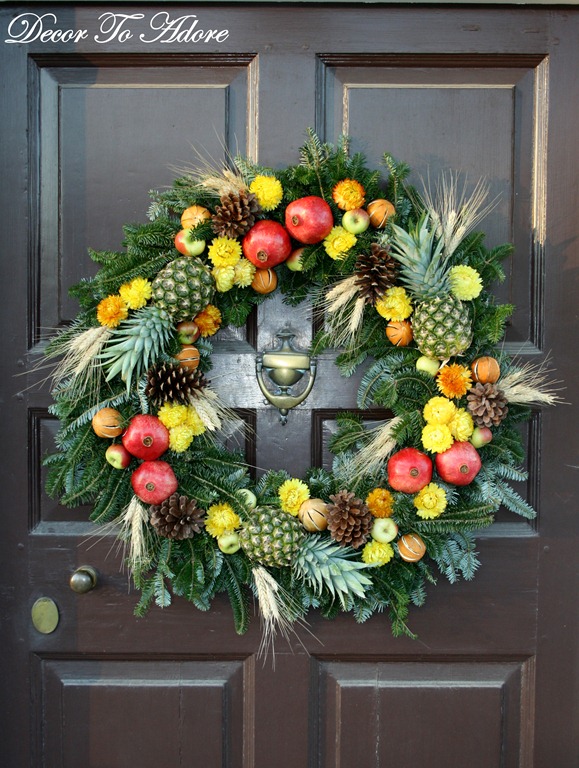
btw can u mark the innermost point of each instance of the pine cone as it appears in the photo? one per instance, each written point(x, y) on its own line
point(375, 273)
point(236, 214)
point(487, 404)
point(172, 383)
point(349, 519)
point(177, 517)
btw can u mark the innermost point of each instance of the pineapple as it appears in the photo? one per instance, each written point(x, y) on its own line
point(275, 538)
point(137, 343)
point(440, 322)
point(183, 288)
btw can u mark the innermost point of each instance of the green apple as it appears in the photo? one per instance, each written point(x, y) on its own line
point(247, 497)
point(384, 530)
point(428, 365)
point(356, 221)
point(118, 456)
point(294, 262)
point(229, 542)
point(481, 436)
point(186, 244)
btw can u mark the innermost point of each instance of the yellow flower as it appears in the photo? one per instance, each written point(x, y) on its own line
point(439, 410)
point(339, 242)
point(375, 553)
point(462, 426)
point(380, 502)
point(224, 278)
point(436, 438)
point(465, 282)
point(194, 421)
point(430, 502)
point(208, 321)
point(136, 293)
point(180, 438)
point(221, 518)
point(349, 194)
point(112, 311)
point(224, 252)
point(453, 380)
point(292, 495)
point(244, 273)
point(394, 305)
point(268, 191)
point(172, 415)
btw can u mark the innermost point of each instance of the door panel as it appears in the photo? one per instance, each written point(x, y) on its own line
point(88, 129)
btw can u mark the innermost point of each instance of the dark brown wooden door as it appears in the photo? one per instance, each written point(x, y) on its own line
point(88, 127)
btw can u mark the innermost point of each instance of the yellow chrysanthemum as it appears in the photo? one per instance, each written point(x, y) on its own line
point(194, 421)
point(394, 305)
point(208, 321)
point(224, 278)
point(244, 272)
point(453, 380)
point(465, 282)
point(112, 311)
point(380, 502)
point(437, 438)
point(338, 243)
point(462, 426)
point(375, 553)
point(268, 190)
point(180, 438)
point(292, 495)
point(430, 502)
point(439, 410)
point(136, 293)
point(224, 252)
point(221, 518)
point(172, 415)
point(349, 194)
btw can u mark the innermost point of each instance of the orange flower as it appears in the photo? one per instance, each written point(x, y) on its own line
point(380, 502)
point(349, 194)
point(111, 311)
point(208, 321)
point(453, 380)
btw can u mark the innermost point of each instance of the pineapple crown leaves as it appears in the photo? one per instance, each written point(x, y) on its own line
point(424, 269)
point(326, 565)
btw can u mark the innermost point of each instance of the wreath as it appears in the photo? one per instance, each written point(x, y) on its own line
point(402, 280)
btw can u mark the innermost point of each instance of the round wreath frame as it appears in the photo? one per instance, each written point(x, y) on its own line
point(196, 568)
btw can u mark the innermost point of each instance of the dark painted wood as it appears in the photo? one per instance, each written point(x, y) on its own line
point(86, 131)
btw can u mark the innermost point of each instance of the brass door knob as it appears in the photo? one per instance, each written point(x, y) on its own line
point(83, 579)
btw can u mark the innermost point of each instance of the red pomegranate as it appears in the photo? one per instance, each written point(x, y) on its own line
point(458, 465)
point(146, 437)
point(409, 470)
point(154, 481)
point(309, 219)
point(266, 244)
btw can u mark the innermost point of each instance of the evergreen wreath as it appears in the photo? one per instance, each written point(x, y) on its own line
point(404, 290)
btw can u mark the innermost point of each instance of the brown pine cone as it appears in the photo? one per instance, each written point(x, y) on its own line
point(173, 384)
point(177, 517)
point(236, 214)
point(349, 519)
point(375, 272)
point(487, 404)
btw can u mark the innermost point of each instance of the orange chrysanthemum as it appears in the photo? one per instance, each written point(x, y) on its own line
point(349, 194)
point(111, 311)
point(209, 320)
point(380, 502)
point(454, 380)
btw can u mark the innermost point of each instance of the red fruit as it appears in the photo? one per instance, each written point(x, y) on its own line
point(409, 470)
point(459, 465)
point(146, 437)
point(118, 456)
point(266, 244)
point(309, 219)
point(154, 481)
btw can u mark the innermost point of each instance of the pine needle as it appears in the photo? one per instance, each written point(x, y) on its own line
point(529, 385)
point(381, 444)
